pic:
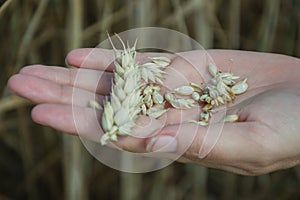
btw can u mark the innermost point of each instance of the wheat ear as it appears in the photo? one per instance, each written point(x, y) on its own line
point(135, 90)
point(120, 113)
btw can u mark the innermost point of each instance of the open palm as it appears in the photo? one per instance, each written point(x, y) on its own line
point(265, 138)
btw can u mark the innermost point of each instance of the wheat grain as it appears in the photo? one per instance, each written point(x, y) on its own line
point(220, 90)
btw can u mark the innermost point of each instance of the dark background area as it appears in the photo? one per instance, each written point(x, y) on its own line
point(37, 162)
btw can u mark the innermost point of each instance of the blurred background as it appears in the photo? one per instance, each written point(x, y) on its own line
point(37, 162)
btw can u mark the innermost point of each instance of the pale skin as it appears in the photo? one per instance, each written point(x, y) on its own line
point(265, 139)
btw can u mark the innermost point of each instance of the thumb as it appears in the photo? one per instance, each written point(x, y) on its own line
point(220, 141)
point(177, 138)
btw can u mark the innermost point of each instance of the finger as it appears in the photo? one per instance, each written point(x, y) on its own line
point(246, 61)
point(91, 58)
point(91, 80)
point(43, 91)
point(85, 123)
point(146, 127)
point(102, 59)
point(73, 120)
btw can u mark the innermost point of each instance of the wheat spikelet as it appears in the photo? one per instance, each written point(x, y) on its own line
point(152, 74)
point(153, 71)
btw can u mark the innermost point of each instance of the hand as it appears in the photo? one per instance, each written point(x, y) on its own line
point(266, 137)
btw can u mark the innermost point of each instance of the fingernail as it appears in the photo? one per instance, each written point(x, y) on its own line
point(163, 143)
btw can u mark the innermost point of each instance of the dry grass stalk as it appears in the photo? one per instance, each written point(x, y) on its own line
point(76, 160)
point(4, 6)
point(29, 34)
point(234, 23)
point(12, 102)
point(268, 25)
